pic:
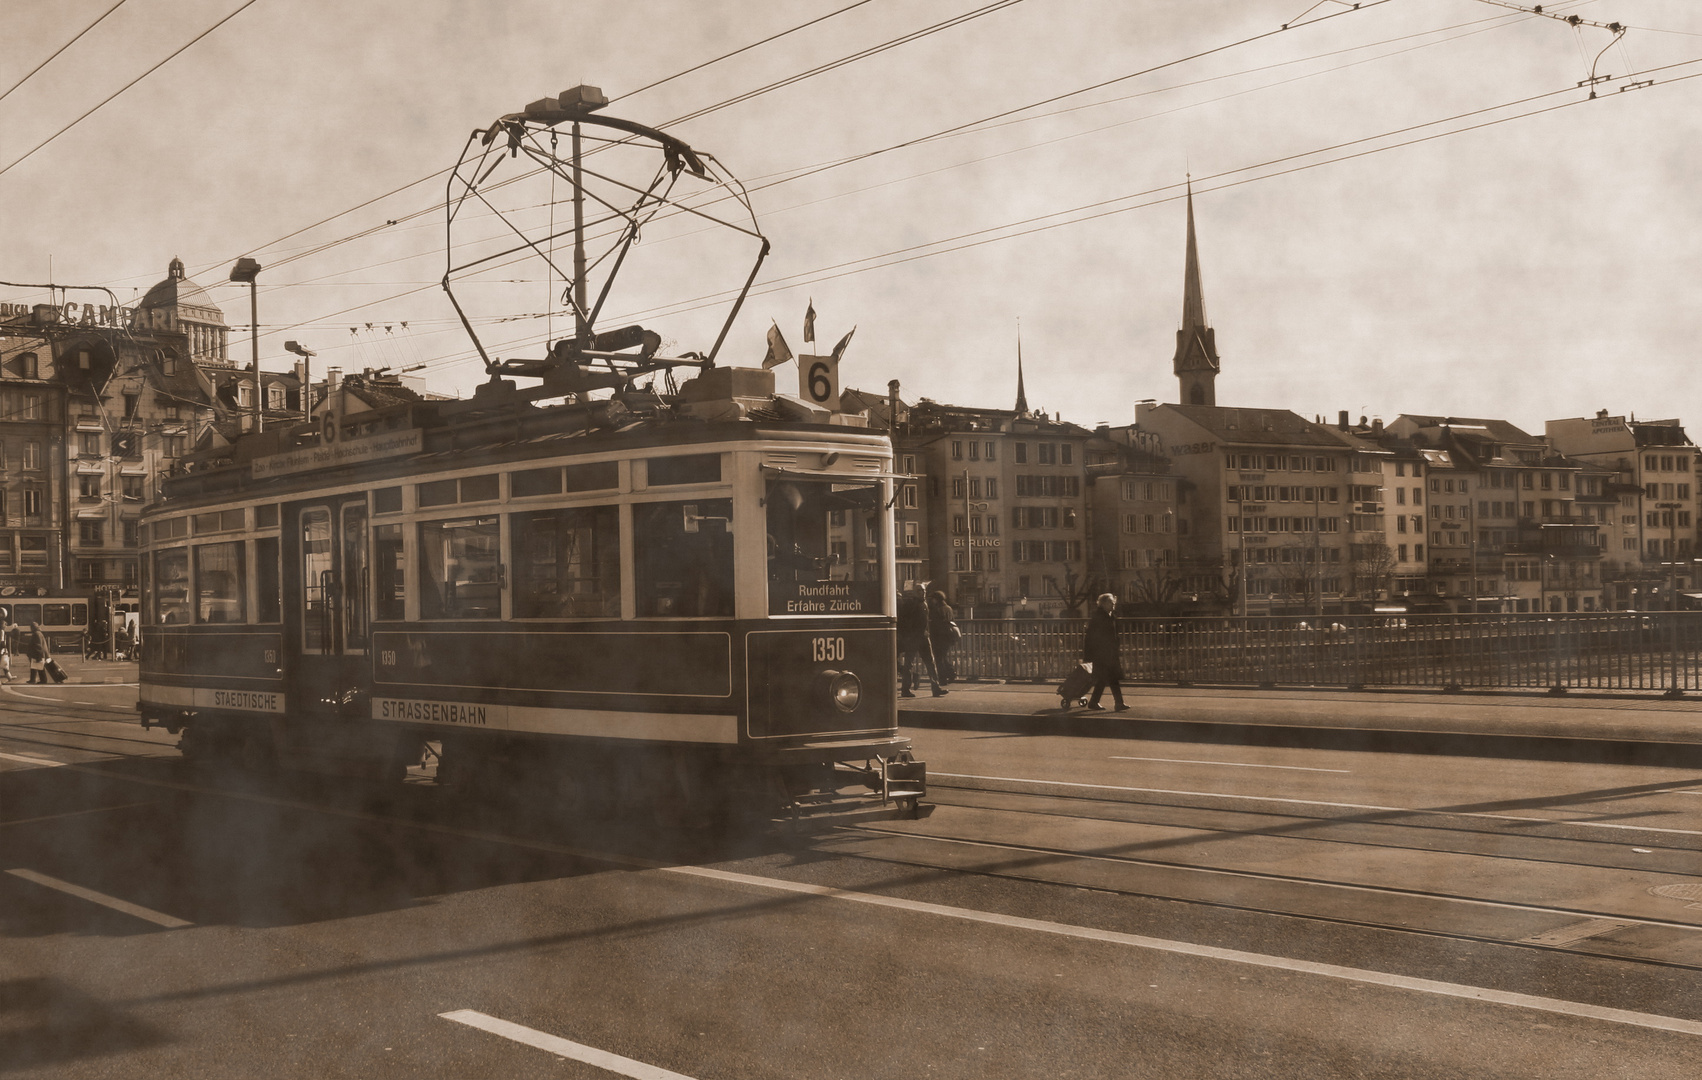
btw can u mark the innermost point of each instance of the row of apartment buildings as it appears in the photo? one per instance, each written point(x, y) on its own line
point(97, 403)
point(1202, 508)
point(1208, 509)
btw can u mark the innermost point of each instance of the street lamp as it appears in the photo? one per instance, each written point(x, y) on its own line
point(307, 356)
point(248, 270)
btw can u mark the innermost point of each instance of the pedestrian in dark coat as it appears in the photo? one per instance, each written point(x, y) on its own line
point(942, 635)
point(34, 644)
point(1099, 648)
point(913, 640)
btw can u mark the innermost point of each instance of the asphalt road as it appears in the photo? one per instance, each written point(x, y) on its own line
point(1071, 906)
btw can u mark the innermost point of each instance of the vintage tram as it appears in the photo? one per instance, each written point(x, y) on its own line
point(666, 611)
point(649, 593)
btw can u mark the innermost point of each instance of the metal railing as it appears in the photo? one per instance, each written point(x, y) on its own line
point(1647, 651)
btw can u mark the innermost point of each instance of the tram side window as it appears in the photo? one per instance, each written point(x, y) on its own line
point(389, 597)
point(683, 553)
point(567, 563)
point(220, 583)
point(171, 586)
point(270, 605)
point(823, 555)
point(460, 569)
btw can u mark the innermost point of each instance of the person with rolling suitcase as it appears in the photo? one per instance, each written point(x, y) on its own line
point(1099, 648)
point(34, 645)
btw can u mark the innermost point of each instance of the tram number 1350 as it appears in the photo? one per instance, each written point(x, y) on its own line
point(827, 648)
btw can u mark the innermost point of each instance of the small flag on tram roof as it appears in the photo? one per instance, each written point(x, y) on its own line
point(778, 353)
point(839, 349)
point(810, 321)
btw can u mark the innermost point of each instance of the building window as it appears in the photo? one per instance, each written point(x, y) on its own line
point(32, 454)
point(1066, 454)
point(88, 443)
point(992, 454)
point(32, 502)
point(88, 487)
point(133, 487)
point(957, 449)
point(92, 533)
point(132, 533)
point(1022, 459)
point(909, 496)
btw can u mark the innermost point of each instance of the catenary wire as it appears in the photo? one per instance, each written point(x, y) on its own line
point(55, 55)
point(27, 154)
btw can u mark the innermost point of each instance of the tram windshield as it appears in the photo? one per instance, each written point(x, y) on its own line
point(824, 547)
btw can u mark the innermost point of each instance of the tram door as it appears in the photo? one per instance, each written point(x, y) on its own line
point(330, 592)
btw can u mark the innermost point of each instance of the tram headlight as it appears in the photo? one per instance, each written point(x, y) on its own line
point(844, 689)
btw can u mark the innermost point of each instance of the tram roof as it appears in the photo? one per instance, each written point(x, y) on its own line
point(484, 441)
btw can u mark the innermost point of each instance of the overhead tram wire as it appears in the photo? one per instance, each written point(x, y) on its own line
point(957, 20)
point(735, 52)
point(444, 172)
point(776, 179)
point(1105, 208)
point(55, 55)
point(180, 51)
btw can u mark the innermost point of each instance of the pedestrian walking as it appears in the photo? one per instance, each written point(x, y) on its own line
point(34, 645)
point(1099, 648)
point(942, 635)
point(913, 640)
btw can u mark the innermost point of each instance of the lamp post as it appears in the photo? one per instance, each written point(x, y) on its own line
point(248, 270)
point(307, 356)
point(1671, 509)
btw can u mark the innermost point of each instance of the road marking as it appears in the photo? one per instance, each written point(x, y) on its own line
point(32, 760)
point(170, 922)
point(1286, 879)
point(73, 813)
point(590, 1055)
point(1377, 978)
point(1572, 933)
point(1331, 805)
point(1209, 952)
point(34, 697)
point(1235, 764)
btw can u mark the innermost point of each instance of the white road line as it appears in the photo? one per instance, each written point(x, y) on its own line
point(590, 1055)
point(1232, 764)
point(159, 918)
point(1235, 956)
point(1331, 805)
point(32, 760)
point(72, 813)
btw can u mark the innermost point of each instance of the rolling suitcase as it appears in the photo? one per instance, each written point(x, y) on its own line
point(54, 671)
point(1075, 686)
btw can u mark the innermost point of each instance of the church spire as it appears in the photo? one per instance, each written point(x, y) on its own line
point(1021, 395)
point(1195, 362)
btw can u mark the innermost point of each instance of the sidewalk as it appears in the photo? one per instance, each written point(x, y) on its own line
point(1645, 729)
point(79, 670)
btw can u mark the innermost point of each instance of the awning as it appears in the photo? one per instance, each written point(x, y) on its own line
point(89, 468)
point(132, 470)
point(91, 512)
point(89, 425)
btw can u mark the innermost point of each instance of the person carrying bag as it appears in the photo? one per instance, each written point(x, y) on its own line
point(1099, 648)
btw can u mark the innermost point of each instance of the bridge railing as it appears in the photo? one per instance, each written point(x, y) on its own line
point(1581, 651)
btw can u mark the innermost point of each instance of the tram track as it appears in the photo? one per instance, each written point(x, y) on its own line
point(947, 843)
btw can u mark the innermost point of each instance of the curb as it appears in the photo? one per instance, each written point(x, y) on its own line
point(1433, 742)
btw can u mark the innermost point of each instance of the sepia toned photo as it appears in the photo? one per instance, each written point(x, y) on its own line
point(691, 540)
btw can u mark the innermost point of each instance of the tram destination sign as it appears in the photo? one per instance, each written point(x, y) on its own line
point(346, 452)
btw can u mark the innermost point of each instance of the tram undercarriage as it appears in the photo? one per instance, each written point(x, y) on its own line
point(671, 787)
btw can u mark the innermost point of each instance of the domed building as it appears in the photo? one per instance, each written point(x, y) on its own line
point(178, 305)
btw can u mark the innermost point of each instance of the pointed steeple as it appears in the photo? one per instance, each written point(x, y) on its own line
point(1021, 395)
point(1195, 362)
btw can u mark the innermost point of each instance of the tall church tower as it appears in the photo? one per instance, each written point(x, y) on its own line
point(1195, 362)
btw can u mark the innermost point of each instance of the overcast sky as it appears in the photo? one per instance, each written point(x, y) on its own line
point(1541, 267)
